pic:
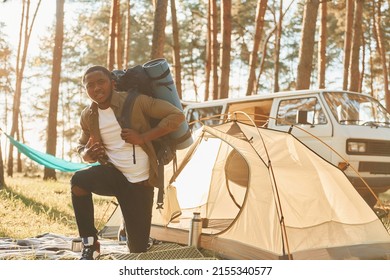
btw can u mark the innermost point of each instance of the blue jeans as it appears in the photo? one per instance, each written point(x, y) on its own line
point(135, 200)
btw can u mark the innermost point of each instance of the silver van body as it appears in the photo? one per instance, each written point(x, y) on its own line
point(340, 126)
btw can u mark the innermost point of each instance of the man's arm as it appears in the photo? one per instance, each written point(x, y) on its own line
point(169, 115)
point(88, 148)
point(170, 120)
point(133, 137)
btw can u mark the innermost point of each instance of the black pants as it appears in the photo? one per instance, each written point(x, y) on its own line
point(136, 202)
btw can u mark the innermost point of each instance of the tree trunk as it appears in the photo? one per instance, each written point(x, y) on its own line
point(119, 41)
point(278, 36)
point(371, 54)
point(260, 12)
point(20, 137)
point(215, 46)
point(112, 36)
point(193, 75)
point(226, 27)
point(382, 52)
point(18, 92)
point(347, 41)
point(160, 19)
point(2, 182)
point(208, 54)
point(307, 44)
point(354, 74)
point(20, 65)
point(51, 144)
point(127, 36)
point(263, 56)
point(363, 64)
point(176, 49)
point(322, 46)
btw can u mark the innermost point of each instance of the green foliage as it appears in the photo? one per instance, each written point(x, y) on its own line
point(192, 17)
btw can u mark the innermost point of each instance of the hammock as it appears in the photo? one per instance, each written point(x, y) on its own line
point(47, 160)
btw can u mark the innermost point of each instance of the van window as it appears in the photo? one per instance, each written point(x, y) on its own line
point(300, 111)
point(258, 110)
point(207, 115)
point(357, 109)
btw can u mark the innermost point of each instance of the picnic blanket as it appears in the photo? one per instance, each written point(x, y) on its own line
point(51, 246)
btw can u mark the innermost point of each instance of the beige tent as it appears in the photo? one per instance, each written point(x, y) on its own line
point(262, 194)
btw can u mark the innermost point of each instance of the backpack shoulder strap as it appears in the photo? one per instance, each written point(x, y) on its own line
point(125, 123)
point(127, 108)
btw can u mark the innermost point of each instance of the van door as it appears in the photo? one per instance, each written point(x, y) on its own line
point(308, 114)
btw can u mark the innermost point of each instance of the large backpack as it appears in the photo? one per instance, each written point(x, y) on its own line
point(135, 81)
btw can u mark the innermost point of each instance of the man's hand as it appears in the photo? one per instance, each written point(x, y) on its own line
point(92, 151)
point(131, 136)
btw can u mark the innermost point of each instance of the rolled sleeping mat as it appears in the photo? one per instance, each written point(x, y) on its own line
point(164, 88)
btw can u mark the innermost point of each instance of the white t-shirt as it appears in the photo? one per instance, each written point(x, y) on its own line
point(119, 152)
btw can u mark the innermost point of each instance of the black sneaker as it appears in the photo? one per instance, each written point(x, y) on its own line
point(152, 242)
point(91, 250)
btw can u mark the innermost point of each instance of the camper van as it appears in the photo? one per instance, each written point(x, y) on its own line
point(350, 130)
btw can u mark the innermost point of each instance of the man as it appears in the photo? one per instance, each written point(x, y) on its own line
point(128, 164)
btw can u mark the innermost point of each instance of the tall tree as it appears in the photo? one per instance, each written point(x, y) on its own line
point(347, 41)
point(307, 44)
point(112, 35)
point(263, 56)
point(278, 36)
point(215, 47)
point(24, 39)
point(253, 60)
point(51, 142)
point(362, 62)
point(322, 45)
point(5, 88)
point(127, 36)
point(371, 53)
point(382, 51)
point(208, 53)
point(2, 181)
point(118, 34)
point(176, 49)
point(226, 29)
point(354, 74)
point(6, 71)
point(160, 20)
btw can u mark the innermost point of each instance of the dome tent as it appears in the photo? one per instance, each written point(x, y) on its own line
point(263, 194)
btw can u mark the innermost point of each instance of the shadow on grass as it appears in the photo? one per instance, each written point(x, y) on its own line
point(40, 208)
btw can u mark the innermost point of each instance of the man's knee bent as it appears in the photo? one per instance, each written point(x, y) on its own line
point(77, 191)
point(74, 182)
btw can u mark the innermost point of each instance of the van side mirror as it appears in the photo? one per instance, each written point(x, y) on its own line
point(301, 117)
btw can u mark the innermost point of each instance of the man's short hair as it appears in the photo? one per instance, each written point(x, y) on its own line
point(95, 68)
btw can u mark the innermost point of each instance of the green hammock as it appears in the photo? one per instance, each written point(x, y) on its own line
point(47, 160)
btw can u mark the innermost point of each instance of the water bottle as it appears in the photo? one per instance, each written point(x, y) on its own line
point(195, 230)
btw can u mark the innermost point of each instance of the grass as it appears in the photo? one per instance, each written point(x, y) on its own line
point(31, 206)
